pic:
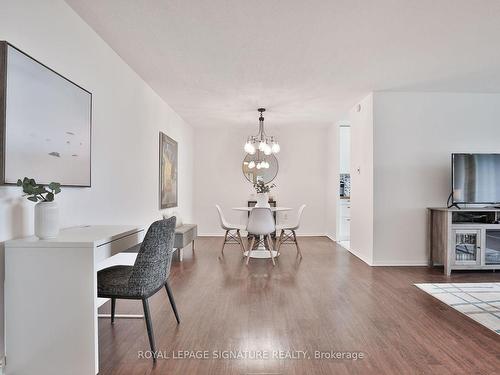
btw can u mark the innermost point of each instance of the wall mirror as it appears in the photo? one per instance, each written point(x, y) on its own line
point(268, 167)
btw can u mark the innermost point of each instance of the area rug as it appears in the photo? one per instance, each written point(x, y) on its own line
point(479, 301)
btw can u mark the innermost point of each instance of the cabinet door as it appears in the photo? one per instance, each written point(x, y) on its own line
point(466, 247)
point(492, 249)
point(344, 228)
point(345, 209)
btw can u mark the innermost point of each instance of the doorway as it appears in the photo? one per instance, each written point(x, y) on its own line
point(344, 183)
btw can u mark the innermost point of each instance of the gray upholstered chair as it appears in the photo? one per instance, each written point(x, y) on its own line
point(147, 276)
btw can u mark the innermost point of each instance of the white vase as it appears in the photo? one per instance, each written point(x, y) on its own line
point(262, 200)
point(46, 220)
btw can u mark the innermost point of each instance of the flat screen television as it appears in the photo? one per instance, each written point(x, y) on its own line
point(475, 178)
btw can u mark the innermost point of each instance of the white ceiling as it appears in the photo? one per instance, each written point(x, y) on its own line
point(307, 61)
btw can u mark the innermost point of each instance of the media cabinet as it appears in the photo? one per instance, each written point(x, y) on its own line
point(464, 239)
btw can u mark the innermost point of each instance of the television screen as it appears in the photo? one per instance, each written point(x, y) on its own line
point(476, 178)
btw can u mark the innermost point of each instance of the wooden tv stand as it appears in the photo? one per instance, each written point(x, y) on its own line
point(464, 239)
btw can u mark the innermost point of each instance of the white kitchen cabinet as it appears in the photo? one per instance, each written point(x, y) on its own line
point(344, 225)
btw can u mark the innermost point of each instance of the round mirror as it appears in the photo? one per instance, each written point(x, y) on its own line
point(259, 167)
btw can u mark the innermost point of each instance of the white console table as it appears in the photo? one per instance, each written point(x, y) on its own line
point(51, 298)
point(464, 239)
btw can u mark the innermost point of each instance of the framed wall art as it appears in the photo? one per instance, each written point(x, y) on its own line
point(168, 172)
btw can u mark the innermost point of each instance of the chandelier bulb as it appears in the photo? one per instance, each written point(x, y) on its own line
point(267, 149)
point(275, 148)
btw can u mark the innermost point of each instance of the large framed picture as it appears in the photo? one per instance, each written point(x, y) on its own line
point(168, 172)
point(45, 123)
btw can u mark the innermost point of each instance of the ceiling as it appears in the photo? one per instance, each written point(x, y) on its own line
point(306, 61)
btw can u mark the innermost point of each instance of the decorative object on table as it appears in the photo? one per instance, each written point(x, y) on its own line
point(168, 172)
point(45, 123)
point(46, 209)
point(253, 174)
point(262, 190)
point(262, 142)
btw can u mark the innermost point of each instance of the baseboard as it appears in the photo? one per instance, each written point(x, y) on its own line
point(298, 235)
point(400, 264)
point(360, 256)
point(332, 238)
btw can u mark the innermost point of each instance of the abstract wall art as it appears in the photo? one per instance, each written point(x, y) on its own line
point(45, 123)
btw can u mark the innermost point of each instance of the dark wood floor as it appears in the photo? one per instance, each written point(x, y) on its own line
point(330, 301)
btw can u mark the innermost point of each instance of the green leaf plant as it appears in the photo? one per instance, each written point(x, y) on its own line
point(261, 187)
point(38, 192)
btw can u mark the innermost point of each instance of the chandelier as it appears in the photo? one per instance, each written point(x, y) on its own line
point(259, 163)
point(262, 142)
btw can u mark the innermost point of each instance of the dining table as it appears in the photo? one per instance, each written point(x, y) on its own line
point(260, 251)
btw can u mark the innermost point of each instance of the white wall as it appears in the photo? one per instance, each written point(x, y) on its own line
point(332, 180)
point(362, 130)
point(127, 116)
point(414, 136)
point(219, 179)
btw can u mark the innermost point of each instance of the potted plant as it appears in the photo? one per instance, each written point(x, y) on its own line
point(46, 209)
point(262, 190)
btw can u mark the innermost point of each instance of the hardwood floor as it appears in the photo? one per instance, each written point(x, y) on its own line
point(330, 301)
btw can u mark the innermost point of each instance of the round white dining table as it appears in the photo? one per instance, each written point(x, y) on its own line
point(272, 209)
point(261, 251)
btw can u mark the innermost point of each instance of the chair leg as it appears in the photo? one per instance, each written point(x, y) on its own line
point(250, 249)
point(224, 243)
point(113, 306)
point(297, 244)
point(270, 248)
point(278, 242)
point(241, 241)
point(149, 327)
point(172, 302)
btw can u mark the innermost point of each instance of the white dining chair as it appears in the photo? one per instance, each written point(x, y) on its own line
point(291, 236)
point(261, 223)
point(232, 235)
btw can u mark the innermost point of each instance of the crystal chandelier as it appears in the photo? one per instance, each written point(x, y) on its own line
point(262, 142)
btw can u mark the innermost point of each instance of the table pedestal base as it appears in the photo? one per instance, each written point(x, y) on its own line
point(261, 254)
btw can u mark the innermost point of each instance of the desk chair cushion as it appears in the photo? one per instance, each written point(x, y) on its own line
point(113, 281)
